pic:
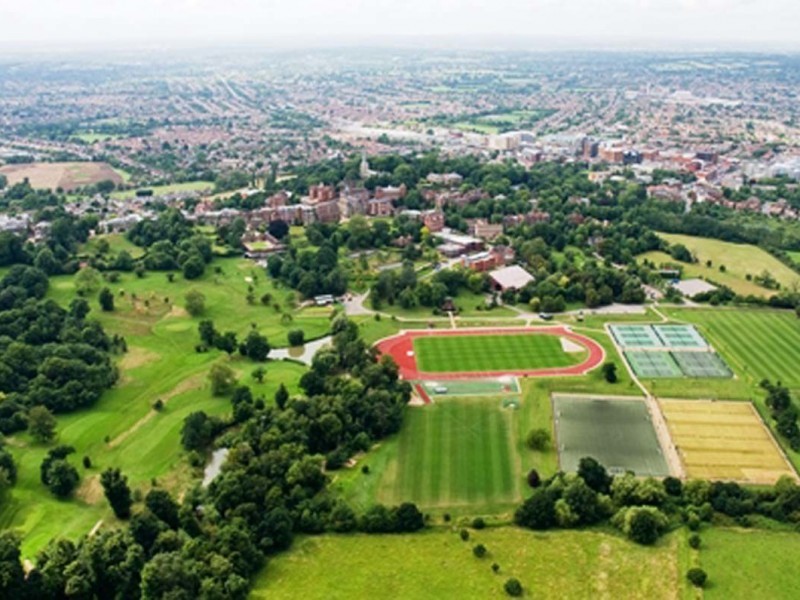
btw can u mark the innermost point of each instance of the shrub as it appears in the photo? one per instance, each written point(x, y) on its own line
point(87, 462)
point(446, 517)
point(158, 405)
point(478, 523)
point(513, 587)
point(479, 551)
point(365, 469)
point(694, 541)
point(538, 439)
point(533, 478)
point(495, 568)
point(610, 372)
point(696, 576)
point(464, 534)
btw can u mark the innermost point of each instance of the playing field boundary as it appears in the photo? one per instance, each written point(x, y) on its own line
point(401, 348)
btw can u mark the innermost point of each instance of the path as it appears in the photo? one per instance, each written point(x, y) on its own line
point(670, 452)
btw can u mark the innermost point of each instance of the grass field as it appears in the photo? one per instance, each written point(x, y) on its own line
point(491, 353)
point(723, 440)
point(454, 452)
point(117, 242)
point(756, 344)
point(740, 260)
point(745, 564)
point(437, 564)
point(618, 433)
point(795, 256)
point(122, 429)
point(162, 190)
point(65, 175)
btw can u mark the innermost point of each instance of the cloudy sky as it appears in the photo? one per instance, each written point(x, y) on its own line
point(635, 23)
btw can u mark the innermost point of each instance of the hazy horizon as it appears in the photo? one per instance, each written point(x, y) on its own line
point(676, 25)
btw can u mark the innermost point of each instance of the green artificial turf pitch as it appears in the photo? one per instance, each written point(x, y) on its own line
point(473, 387)
point(701, 364)
point(464, 353)
point(617, 433)
point(454, 452)
point(680, 336)
point(636, 336)
point(652, 364)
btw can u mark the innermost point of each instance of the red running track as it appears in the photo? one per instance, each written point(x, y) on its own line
point(401, 348)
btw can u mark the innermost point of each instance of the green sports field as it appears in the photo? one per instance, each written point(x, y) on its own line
point(618, 433)
point(757, 344)
point(463, 353)
point(454, 453)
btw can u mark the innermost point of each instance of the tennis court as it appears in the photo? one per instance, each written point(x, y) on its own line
point(635, 336)
point(701, 364)
point(617, 433)
point(680, 336)
point(652, 364)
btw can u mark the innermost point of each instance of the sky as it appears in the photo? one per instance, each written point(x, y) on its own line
point(677, 24)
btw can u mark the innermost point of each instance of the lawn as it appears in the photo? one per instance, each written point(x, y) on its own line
point(163, 190)
point(117, 242)
point(491, 353)
point(437, 564)
point(756, 344)
point(724, 440)
point(159, 302)
point(122, 429)
point(618, 433)
point(745, 564)
point(454, 453)
point(739, 260)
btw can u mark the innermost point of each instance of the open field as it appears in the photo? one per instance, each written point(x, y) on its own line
point(724, 440)
point(117, 242)
point(491, 353)
point(618, 433)
point(454, 452)
point(740, 260)
point(226, 303)
point(437, 564)
point(756, 344)
point(795, 256)
point(122, 429)
point(65, 175)
point(163, 190)
point(743, 564)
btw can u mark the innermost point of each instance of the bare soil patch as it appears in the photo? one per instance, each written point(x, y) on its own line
point(65, 175)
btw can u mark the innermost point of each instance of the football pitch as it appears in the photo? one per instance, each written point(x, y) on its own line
point(436, 354)
point(617, 433)
point(452, 453)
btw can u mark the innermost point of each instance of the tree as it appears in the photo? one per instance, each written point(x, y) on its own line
point(106, 299)
point(479, 550)
point(259, 373)
point(208, 334)
point(255, 346)
point(161, 504)
point(408, 517)
point(115, 485)
point(12, 575)
point(226, 342)
point(41, 424)
point(538, 511)
point(610, 372)
point(223, 379)
point(278, 229)
point(195, 303)
point(194, 267)
point(297, 337)
point(87, 280)
point(61, 478)
point(644, 524)
point(538, 439)
point(594, 474)
point(281, 396)
point(533, 478)
point(513, 587)
point(197, 431)
point(696, 576)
